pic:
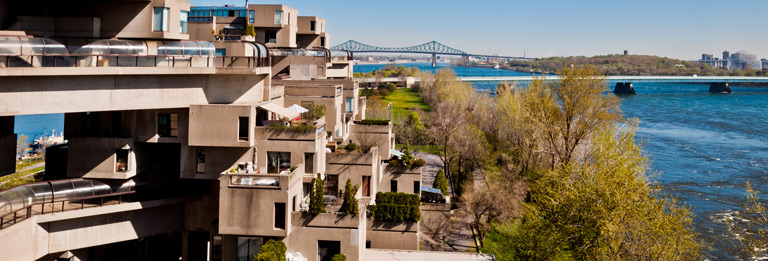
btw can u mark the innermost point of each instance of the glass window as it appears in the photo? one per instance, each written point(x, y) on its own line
point(251, 16)
point(221, 52)
point(322, 41)
point(366, 186)
point(247, 247)
point(278, 161)
point(309, 163)
point(331, 185)
point(312, 25)
point(278, 17)
point(242, 13)
point(280, 215)
point(167, 124)
point(242, 133)
point(200, 161)
point(393, 185)
point(183, 22)
point(270, 36)
point(160, 19)
point(349, 104)
point(416, 187)
point(121, 160)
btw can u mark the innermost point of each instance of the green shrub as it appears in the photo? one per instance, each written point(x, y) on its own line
point(351, 146)
point(349, 205)
point(384, 93)
point(316, 200)
point(339, 257)
point(441, 182)
point(272, 251)
point(396, 206)
point(372, 122)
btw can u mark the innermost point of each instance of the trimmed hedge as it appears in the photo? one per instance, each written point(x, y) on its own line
point(339, 257)
point(372, 122)
point(396, 206)
point(272, 251)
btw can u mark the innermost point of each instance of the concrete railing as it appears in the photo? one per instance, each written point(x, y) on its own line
point(326, 220)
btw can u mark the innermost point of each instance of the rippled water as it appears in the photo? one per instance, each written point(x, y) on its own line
point(703, 146)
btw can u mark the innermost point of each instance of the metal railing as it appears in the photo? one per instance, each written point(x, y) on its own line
point(16, 61)
point(46, 197)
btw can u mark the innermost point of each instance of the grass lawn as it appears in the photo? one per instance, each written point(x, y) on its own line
point(19, 178)
point(402, 100)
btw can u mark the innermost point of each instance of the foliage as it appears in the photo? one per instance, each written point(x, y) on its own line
point(22, 145)
point(603, 209)
point(372, 122)
point(349, 205)
point(751, 225)
point(411, 131)
point(441, 182)
point(316, 200)
point(273, 250)
point(628, 65)
point(250, 30)
point(318, 111)
point(351, 146)
point(396, 206)
point(569, 110)
point(391, 70)
point(407, 161)
point(339, 257)
point(298, 128)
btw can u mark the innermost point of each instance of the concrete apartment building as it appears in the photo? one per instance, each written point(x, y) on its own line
point(177, 138)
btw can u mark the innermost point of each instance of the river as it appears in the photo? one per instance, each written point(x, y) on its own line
point(703, 146)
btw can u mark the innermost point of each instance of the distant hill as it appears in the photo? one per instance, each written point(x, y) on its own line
point(630, 65)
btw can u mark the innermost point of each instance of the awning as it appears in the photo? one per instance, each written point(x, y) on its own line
point(396, 153)
point(279, 110)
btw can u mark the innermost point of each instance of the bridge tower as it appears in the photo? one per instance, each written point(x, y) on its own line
point(434, 60)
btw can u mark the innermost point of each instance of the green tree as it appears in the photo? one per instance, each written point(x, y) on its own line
point(273, 250)
point(349, 205)
point(316, 200)
point(441, 182)
point(751, 225)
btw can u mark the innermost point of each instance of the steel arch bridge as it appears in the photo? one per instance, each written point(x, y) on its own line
point(434, 48)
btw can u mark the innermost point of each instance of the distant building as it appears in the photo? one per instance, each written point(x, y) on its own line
point(726, 55)
point(626, 52)
point(712, 61)
point(744, 60)
point(764, 62)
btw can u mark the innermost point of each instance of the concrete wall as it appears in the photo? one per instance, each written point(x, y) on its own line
point(330, 96)
point(347, 229)
point(8, 153)
point(354, 166)
point(61, 94)
point(404, 177)
point(378, 134)
point(218, 125)
point(245, 210)
point(265, 20)
point(95, 157)
point(42, 235)
point(272, 140)
point(393, 235)
point(141, 25)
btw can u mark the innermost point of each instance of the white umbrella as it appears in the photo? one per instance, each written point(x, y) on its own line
point(297, 108)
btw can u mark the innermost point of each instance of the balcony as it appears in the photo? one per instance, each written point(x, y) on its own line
point(302, 132)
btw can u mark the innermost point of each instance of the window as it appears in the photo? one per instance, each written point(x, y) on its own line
point(295, 204)
point(349, 104)
point(270, 36)
point(322, 41)
point(221, 52)
point(331, 185)
point(366, 186)
point(247, 247)
point(393, 185)
point(278, 161)
point(416, 187)
point(251, 16)
point(278, 17)
point(160, 19)
point(183, 22)
point(121, 160)
point(168, 124)
point(242, 124)
point(312, 25)
point(200, 161)
point(326, 249)
point(338, 132)
point(280, 215)
point(309, 163)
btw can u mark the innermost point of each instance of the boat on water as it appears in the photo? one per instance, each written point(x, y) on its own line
point(47, 141)
point(496, 66)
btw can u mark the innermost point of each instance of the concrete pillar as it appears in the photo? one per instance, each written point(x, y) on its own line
point(624, 88)
point(720, 87)
point(434, 59)
point(7, 146)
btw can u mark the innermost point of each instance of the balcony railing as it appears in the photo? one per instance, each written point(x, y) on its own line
point(16, 61)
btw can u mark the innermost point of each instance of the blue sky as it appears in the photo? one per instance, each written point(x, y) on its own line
point(673, 28)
